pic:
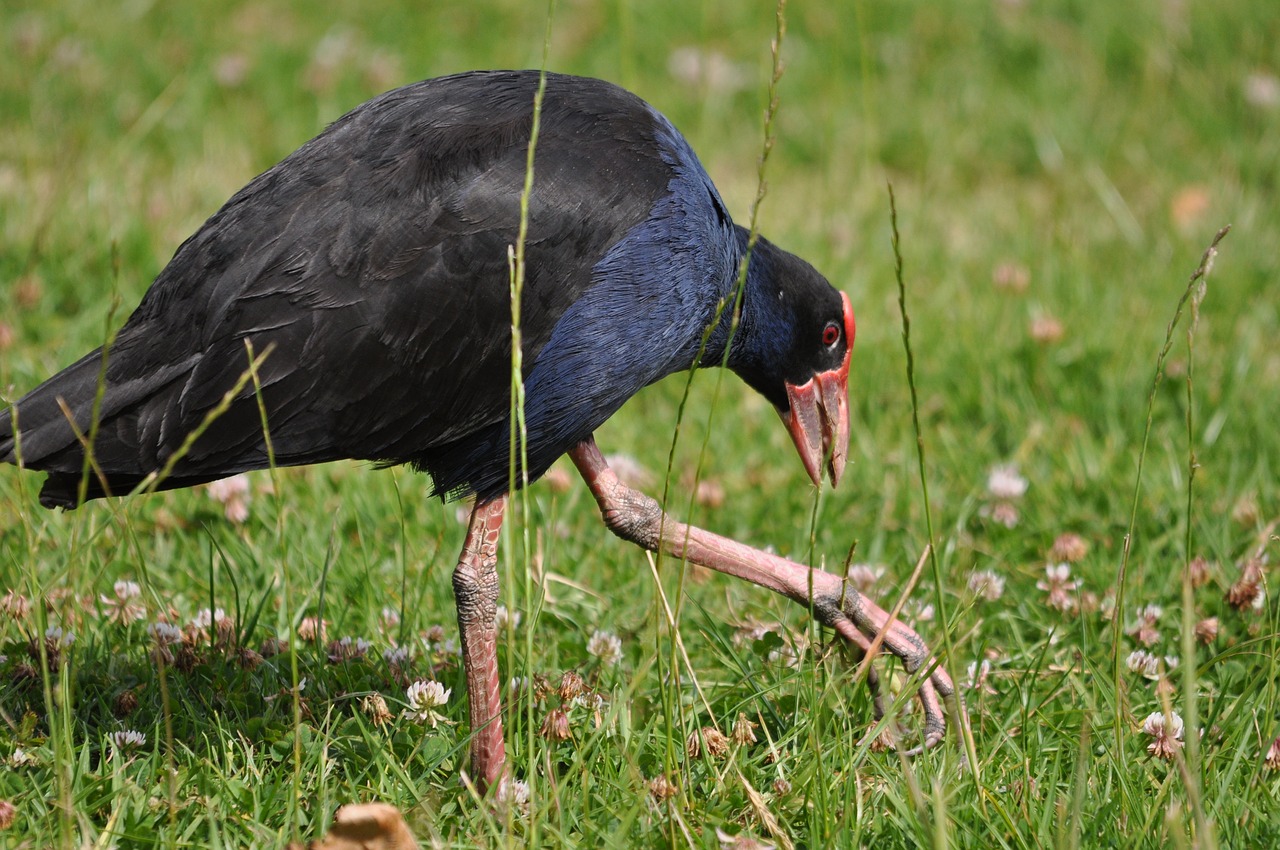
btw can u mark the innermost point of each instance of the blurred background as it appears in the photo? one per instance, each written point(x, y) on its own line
point(1060, 167)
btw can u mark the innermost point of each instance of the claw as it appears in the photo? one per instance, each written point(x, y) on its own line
point(871, 629)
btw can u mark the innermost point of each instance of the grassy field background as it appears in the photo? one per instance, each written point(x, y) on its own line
point(1059, 167)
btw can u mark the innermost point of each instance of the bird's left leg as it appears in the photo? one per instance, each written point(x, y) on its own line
point(638, 518)
point(475, 591)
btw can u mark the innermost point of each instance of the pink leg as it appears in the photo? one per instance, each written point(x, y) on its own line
point(636, 517)
point(475, 590)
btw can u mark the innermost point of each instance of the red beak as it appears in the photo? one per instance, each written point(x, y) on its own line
point(819, 415)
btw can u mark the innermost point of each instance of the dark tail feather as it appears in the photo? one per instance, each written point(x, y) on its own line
point(47, 441)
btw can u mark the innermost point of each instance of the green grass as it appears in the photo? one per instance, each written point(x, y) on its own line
point(1090, 148)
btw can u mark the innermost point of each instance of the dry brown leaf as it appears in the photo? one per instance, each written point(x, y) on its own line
point(366, 826)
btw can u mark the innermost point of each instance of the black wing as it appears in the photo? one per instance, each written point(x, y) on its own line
point(373, 263)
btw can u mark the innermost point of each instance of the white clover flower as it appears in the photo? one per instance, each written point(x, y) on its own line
point(978, 675)
point(390, 616)
point(347, 649)
point(863, 577)
point(1004, 483)
point(1144, 664)
point(396, 656)
point(502, 618)
point(127, 590)
point(226, 489)
point(233, 494)
point(57, 637)
point(355, 645)
point(122, 608)
point(424, 697)
point(1167, 734)
point(126, 740)
point(1058, 584)
point(22, 758)
point(986, 584)
point(205, 618)
point(606, 646)
point(917, 611)
point(514, 793)
point(14, 605)
point(165, 634)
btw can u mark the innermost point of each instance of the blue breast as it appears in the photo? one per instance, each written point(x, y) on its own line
point(654, 293)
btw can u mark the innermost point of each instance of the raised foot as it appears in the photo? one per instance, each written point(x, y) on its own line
point(871, 630)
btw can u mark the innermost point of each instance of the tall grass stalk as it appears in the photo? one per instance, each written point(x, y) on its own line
point(1120, 719)
point(1191, 766)
point(954, 706)
point(518, 454)
point(673, 706)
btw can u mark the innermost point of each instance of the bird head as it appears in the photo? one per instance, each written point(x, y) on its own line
point(796, 338)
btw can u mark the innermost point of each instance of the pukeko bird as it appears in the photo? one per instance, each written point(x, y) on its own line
point(371, 266)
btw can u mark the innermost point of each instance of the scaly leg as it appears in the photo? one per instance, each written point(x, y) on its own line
point(636, 517)
point(475, 591)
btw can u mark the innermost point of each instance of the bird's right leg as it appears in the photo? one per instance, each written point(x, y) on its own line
point(638, 518)
point(475, 591)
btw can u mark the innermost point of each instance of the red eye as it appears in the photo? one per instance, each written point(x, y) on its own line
point(831, 334)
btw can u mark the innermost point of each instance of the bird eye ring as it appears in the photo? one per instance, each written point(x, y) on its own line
point(831, 334)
